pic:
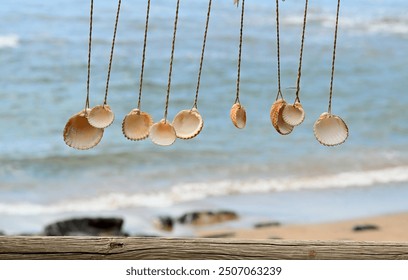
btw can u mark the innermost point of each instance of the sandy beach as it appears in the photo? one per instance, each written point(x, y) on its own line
point(393, 227)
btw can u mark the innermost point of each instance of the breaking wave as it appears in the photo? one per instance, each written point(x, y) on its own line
point(9, 41)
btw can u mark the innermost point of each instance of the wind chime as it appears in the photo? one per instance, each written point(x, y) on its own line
point(85, 129)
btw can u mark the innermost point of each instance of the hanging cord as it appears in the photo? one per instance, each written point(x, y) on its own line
point(301, 53)
point(334, 57)
point(89, 57)
point(240, 50)
point(202, 54)
point(111, 53)
point(171, 60)
point(144, 55)
point(278, 51)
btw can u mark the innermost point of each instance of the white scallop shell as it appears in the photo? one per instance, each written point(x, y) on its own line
point(79, 134)
point(101, 116)
point(162, 133)
point(238, 115)
point(294, 114)
point(136, 125)
point(330, 130)
point(276, 118)
point(188, 124)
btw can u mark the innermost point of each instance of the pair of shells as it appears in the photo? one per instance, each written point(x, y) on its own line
point(330, 130)
point(285, 117)
point(238, 115)
point(187, 124)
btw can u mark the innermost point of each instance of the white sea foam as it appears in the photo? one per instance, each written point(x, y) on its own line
point(197, 191)
point(9, 41)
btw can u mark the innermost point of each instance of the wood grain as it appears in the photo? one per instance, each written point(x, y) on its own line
point(106, 248)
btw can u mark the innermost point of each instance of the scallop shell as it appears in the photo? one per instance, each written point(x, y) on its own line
point(276, 118)
point(294, 114)
point(188, 124)
point(238, 115)
point(101, 116)
point(162, 133)
point(136, 125)
point(330, 130)
point(79, 134)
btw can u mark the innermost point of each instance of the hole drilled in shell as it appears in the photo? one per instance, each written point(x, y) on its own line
point(136, 125)
point(238, 115)
point(330, 130)
point(277, 120)
point(162, 133)
point(101, 116)
point(79, 134)
point(293, 114)
point(188, 124)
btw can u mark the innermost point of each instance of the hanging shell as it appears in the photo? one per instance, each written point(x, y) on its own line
point(294, 114)
point(330, 130)
point(188, 124)
point(238, 115)
point(79, 134)
point(277, 120)
point(101, 116)
point(162, 133)
point(136, 125)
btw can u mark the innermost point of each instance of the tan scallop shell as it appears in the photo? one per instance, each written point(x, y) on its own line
point(188, 124)
point(330, 130)
point(238, 115)
point(101, 116)
point(276, 118)
point(136, 125)
point(293, 114)
point(79, 134)
point(162, 133)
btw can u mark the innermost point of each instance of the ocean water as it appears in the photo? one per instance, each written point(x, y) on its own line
point(255, 171)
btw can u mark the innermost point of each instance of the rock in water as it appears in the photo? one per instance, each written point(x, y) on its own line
point(164, 223)
point(86, 227)
point(207, 217)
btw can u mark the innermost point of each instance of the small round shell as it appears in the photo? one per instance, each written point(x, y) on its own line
point(294, 114)
point(162, 133)
point(188, 124)
point(79, 134)
point(238, 115)
point(330, 130)
point(136, 125)
point(276, 118)
point(101, 116)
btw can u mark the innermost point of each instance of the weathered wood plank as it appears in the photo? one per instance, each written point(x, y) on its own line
point(72, 248)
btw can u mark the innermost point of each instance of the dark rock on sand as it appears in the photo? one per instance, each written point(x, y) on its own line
point(207, 217)
point(220, 235)
point(365, 227)
point(164, 223)
point(2, 233)
point(267, 224)
point(86, 227)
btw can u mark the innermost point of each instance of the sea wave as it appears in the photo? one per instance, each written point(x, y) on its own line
point(9, 41)
point(198, 191)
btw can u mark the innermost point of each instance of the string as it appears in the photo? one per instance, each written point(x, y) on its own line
point(240, 50)
point(144, 55)
point(89, 56)
point(202, 54)
point(301, 53)
point(111, 53)
point(171, 60)
point(278, 51)
point(334, 57)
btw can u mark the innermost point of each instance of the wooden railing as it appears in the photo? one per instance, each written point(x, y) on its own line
point(103, 248)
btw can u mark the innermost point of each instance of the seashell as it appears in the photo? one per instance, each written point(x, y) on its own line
point(188, 124)
point(101, 116)
point(330, 130)
point(79, 134)
point(162, 133)
point(293, 114)
point(276, 118)
point(136, 125)
point(238, 115)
